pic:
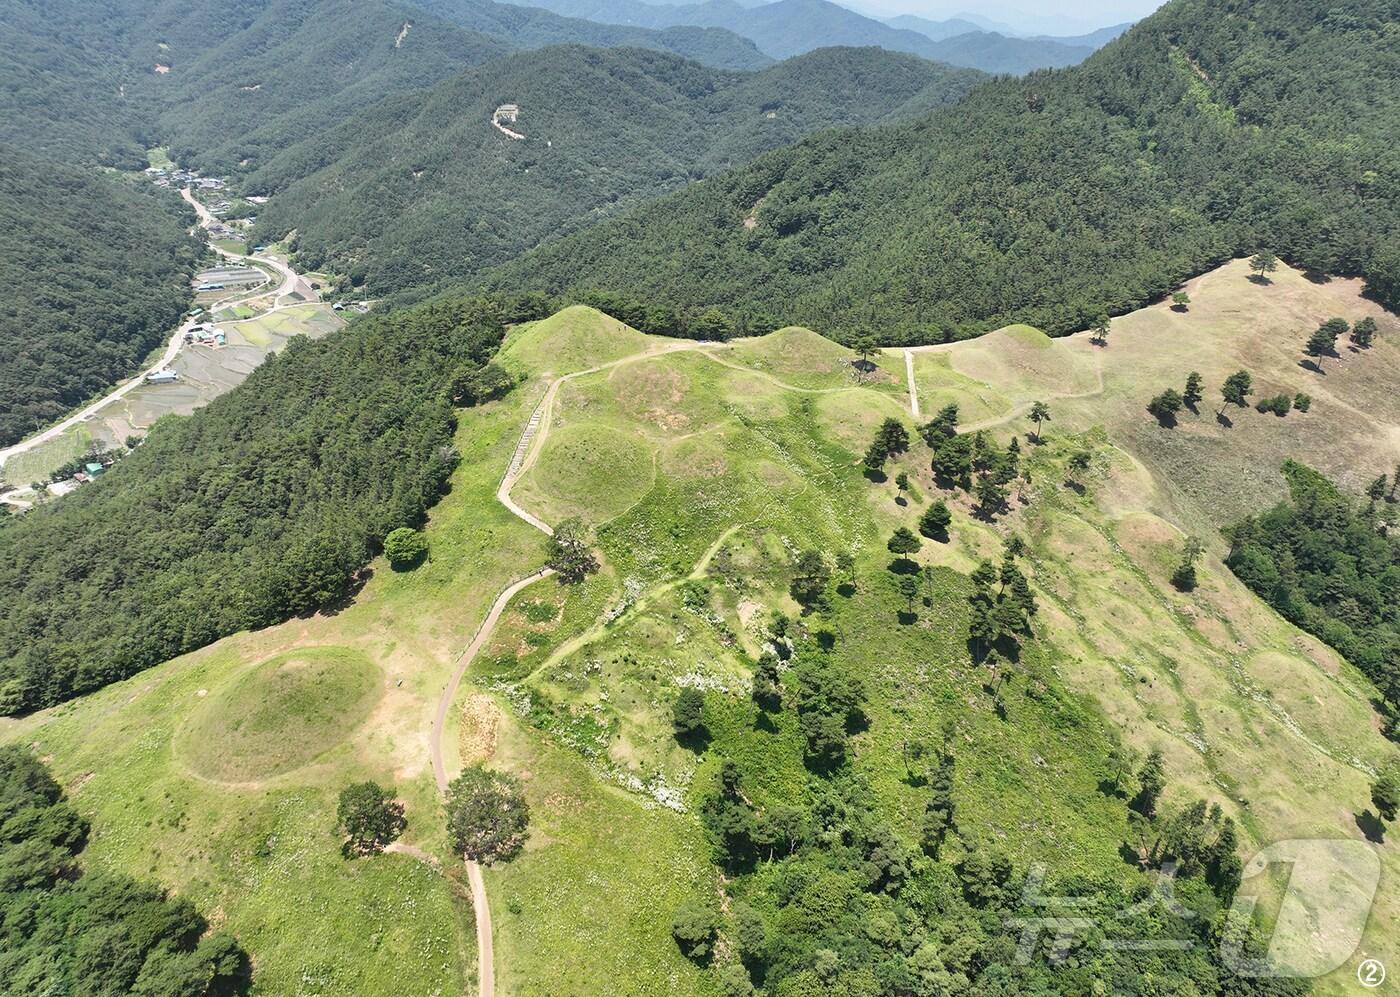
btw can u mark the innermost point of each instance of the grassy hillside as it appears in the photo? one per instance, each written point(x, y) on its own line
point(424, 190)
point(97, 271)
point(1048, 199)
point(702, 470)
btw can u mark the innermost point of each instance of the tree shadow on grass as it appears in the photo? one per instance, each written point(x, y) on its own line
point(1224, 420)
point(696, 741)
point(1308, 363)
point(1260, 279)
point(1110, 788)
point(907, 619)
point(903, 566)
point(1371, 826)
point(765, 723)
point(875, 477)
point(1316, 277)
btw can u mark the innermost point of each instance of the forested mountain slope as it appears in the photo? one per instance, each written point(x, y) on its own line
point(96, 273)
point(423, 190)
point(263, 504)
point(530, 26)
point(222, 83)
point(1192, 138)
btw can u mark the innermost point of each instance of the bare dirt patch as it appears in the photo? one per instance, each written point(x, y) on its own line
point(476, 738)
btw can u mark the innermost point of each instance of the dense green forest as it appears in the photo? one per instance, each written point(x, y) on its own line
point(423, 190)
point(96, 274)
point(1326, 563)
point(240, 81)
point(63, 931)
point(1206, 131)
point(264, 504)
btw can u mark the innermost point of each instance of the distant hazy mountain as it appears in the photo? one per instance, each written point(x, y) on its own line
point(934, 30)
point(790, 27)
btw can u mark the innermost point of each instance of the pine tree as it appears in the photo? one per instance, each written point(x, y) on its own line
point(935, 521)
point(938, 814)
point(1192, 396)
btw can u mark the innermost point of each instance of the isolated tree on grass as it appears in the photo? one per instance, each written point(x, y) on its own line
point(1192, 396)
point(1323, 341)
point(1040, 412)
point(938, 813)
point(688, 713)
point(569, 553)
point(369, 817)
point(1100, 329)
point(1262, 263)
point(487, 816)
point(1363, 333)
point(1184, 577)
point(865, 348)
point(909, 591)
point(405, 547)
point(935, 521)
point(767, 683)
point(1165, 407)
point(893, 436)
point(1236, 390)
point(903, 543)
point(1180, 301)
point(846, 567)
point(1152, 779)
point(1385, 792)
point(810, 579)
point(901, 482)
point(1079, 463)
point(875, 457)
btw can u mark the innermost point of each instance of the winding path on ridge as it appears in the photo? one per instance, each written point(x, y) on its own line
point(527, 451)
point(177, 340)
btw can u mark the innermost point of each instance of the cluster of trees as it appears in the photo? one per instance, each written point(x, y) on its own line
point(63, 930)
point(1234, 390)
point(1001, 605)
point(958, 457)
point(1194, 840)
point(266, 503)
point(1323, 341)
point(828, 896)
point(1050, 199)
point(1322, 560)
point(96, 272)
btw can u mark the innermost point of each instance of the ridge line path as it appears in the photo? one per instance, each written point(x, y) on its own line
point(177, 340)
point(527, 450)
point(913, 388)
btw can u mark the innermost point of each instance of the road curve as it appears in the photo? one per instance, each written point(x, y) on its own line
point(289, 281)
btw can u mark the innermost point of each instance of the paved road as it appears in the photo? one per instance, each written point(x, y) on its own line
point(177, 340)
